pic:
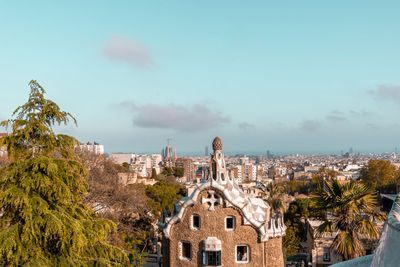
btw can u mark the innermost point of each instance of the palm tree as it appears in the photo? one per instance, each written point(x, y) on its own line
point(352, 215)
point(274, 196)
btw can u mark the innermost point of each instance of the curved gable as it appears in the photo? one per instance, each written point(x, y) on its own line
point(255, 211)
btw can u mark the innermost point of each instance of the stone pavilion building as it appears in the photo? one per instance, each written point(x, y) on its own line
point(217, 224)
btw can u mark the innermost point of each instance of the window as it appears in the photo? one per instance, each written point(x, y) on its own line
point(242, 254)
point(327, 254)
point(212, 258)
point(196, 221)
point(186, 250)
point(230, 223)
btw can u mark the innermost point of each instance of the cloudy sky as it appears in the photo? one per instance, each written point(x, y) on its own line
point(288, 76)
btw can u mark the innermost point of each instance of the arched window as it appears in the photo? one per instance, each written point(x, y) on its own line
point(212, 252)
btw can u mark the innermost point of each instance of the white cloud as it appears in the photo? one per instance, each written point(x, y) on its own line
point(310, 125)
point(387, 92)
point(245, 125)
point(336, 116)
point(361, 113)
point(127, 50)
point(177, 117)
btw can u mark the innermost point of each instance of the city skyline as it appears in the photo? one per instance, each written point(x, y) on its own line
point(236, 152)
point(308, 76)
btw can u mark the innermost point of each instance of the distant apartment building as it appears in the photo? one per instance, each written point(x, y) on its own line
point(348, 175)
point(156, 162)
point(121, 158)
point(302, 175)
point(273, 172)
point(312, 169)
point(245, 173)
point(141, 164)
point(95, 147)
point(188, 166)
point(282, 171)
point(244, 160)
point(352, 167)
point(144, 164)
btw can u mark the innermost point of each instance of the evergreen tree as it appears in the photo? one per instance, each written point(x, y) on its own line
point(43, 221)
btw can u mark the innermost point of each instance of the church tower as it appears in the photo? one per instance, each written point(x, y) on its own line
point(218, 166)
point(218, 224)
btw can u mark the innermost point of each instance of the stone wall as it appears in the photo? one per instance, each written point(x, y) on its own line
point(213, 225)
point(274, 254)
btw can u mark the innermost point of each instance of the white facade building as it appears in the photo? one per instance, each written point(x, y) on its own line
point(95, 147)
point(120, 158)
point(141, 164)
point(247, 172)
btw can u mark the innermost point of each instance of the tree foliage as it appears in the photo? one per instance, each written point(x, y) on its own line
point(127, 206)
point(305, 186)
point(43, 220)
point(173, 172)
point(351, 207)
point(291, 240)
point(274, 197)
point(323, 174)
point(163, 196)
point(179, 171)
point(295, 217)
point(379, 174)
point(297, 186)
point(303, 208)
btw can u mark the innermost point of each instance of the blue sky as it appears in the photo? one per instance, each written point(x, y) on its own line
point(288, 76)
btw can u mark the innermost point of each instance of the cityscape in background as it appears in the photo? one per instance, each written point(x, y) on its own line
point(266, 167)
point(205, 133)
point(275, 153)
point(253, 174)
